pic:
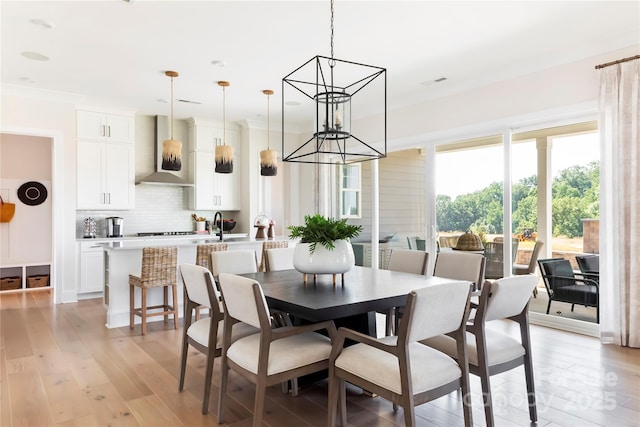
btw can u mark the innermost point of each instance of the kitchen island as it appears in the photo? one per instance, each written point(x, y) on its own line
point(124, 257)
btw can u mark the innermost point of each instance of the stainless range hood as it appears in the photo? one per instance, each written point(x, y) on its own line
point(161, 177)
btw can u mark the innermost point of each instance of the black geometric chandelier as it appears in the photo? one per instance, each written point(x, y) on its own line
point(325, 88)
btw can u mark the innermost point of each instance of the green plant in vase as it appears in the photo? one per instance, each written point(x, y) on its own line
point(323, 230)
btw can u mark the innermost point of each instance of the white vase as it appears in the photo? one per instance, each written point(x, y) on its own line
point(324, 261)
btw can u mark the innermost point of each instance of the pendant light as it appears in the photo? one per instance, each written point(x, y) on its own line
point(268, 157)
point(171, 148)
point(224, 152)
point(337, 82)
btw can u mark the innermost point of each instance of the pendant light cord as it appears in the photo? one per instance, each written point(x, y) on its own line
point(224, 116)
point(268, 124)
point(331, 29)
point(171, 107)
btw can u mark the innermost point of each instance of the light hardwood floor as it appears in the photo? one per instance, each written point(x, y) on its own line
point(59, 365)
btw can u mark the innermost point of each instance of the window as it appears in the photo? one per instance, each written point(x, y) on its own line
point(350, 191)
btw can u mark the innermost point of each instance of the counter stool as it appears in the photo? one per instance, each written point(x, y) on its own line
point(203, 253)
point(159, 269)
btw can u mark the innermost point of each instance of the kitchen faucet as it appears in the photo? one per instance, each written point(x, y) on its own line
point(215, 221)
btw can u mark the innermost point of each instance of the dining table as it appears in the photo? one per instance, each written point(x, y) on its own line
point(351, 302)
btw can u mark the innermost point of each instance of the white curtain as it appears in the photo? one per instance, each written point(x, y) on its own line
point(620, 203)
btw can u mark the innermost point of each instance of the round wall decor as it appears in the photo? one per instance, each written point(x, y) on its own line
point(32, 193)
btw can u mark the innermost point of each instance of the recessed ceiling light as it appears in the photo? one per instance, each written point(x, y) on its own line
point(28, 80)
point(218, 63)
point(292, 103)
point(430, 82)
point(42, 23)
point(35, 56)
point(163, 100)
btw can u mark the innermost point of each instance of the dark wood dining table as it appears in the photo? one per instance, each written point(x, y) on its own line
point(351, 303)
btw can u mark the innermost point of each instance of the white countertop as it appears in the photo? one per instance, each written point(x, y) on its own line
point(189, 240)
point(130, 238)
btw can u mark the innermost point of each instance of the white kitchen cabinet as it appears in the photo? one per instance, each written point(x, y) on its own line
point(91, 268)
point(99, 126)
point(213, 191)
point(105, 175)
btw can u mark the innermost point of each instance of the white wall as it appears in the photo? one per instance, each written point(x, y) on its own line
point(26, 239)
point(53, 117)
point(559, 92)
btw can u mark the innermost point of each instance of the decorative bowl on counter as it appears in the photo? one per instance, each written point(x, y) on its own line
point(227, 224)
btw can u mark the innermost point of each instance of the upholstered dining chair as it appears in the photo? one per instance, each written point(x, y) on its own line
point(205, 335)
point(234, 262)
point(408, 261)
point(491, 352)
point(279, 259)
point(459, 265)
point(274, 355)
point(203, 258)
point(159, 270)
point(270, 244)
point(399, 368)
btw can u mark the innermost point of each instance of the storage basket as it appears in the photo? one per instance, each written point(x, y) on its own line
point(6, 210)
point(10, 283)
point(38, 281)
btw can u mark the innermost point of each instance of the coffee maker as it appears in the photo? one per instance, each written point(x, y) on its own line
point(115, 226)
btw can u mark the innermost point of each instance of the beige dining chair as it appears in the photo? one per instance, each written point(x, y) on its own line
point(459, 265)
point(273, 356)
point(279, 259)
point(205, 335)
point(400, 369)
point(235, 262)
point(203, 258)
point(490, 351)
point(408, 261)
point(270, 244)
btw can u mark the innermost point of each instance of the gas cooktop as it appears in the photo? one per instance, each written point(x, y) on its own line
point(166, 233)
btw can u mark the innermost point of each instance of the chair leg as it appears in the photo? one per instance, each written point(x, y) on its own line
point(165, 302)
point(549, 305)
point(183, 361)
point(531, 392)
point(334, 396)
point(222, 392)
point(486, 396)
point(572, 305)
point(207, 381)
point(258, 407)
point(343, 402)
point(175, 306)
point(144, 311)
point(131, 304)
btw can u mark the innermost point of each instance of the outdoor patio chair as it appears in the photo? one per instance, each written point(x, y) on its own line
point(563, 285)
point(520, 269)
point(494, 252)
point(589, 266)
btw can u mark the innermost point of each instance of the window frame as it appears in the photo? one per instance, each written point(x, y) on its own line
point(344, 190)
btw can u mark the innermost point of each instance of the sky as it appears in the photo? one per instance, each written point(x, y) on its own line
point(463, 172)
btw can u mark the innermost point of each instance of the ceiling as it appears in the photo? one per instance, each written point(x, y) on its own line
point(113, 53)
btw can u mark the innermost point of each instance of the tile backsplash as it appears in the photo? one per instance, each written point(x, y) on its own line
point(158, 208)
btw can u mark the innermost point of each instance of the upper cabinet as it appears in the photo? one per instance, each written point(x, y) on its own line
point(213, 191)
point(97, 126)
point(105, 161)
